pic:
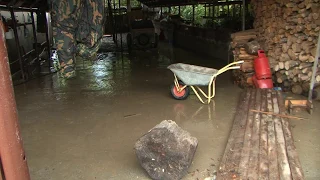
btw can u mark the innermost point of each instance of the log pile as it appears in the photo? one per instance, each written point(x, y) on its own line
point(288, 30)
point(244, 47)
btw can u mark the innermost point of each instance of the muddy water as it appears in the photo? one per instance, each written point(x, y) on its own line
point(85, 128)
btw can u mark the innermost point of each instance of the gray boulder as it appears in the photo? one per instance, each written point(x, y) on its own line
point(166, 151)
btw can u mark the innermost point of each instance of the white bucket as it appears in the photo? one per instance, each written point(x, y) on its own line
point(10, 34)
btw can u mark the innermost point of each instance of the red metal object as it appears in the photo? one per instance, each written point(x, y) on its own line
point(12, 155)
point(261, 66)
point(262, 83)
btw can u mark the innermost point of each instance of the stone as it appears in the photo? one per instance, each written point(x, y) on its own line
point(166, 151)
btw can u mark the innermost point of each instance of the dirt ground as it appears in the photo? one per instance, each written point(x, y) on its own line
point(85, 128)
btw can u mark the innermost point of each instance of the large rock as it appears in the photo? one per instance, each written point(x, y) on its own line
point(166, 151)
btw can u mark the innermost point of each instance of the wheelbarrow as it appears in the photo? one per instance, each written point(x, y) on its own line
point(186, 75)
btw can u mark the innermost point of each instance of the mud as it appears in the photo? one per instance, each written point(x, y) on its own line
point(85, 128)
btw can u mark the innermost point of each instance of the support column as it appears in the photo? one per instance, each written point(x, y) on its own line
point(16, 37)
point(243, 15)
point(35, 39)
point(12, 155)
point(193, 14)
point(48, 43)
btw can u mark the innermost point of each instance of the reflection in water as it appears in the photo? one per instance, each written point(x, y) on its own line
point(193, 113)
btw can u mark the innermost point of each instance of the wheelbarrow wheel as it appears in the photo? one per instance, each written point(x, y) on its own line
point(179, 95)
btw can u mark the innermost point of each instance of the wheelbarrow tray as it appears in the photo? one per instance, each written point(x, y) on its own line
point(192, 75)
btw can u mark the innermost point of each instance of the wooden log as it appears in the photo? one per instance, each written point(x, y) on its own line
point(293, 159)
point(285, 48)
point(293, 55)
point(281, 65)
point(263, 150)
point(313, 51)
point(297, 89)
point(244, 33)
point(296, 47)
point(284, 57)
point(306, 70)
point(290, 64)
point(252, 47)
point(246, 57)
point(305, 65)
point(296, 70)
point(305, 86)
point(255, 140)
point(284, 167)
point(272, 150)
point(232, 154)
point(311, 59)
point(247, 67)
point(244, 160)
point(303, 56)
point(282, 78)
point(303, 77)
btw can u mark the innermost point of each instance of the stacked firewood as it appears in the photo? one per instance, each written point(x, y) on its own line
point(288, 30)
point(241, 44)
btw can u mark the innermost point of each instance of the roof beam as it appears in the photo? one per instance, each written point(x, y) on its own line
point(35, 3)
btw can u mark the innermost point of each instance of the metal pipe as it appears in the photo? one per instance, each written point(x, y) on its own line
point(48, 43)
point(115, 22)
point(243, 15)
point(120, 15)
point(35, 39)
point(12, 155)
point(314, 69)
point(16, 37)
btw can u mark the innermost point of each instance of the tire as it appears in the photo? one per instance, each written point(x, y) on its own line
point(182, 95)
point(129, 42)
point(143, 39)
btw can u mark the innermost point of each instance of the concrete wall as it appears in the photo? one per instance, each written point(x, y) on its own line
point(207, 47)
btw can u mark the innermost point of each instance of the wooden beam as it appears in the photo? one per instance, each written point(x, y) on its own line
point(35, 3)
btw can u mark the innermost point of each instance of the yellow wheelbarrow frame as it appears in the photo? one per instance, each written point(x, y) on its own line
point(205, 78)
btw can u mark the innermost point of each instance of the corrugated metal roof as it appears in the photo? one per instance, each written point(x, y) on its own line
point(25, 3)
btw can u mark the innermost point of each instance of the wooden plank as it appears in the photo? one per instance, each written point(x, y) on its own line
point(235, 142)
point(295, 166)
point(263, 151)
point(284, 168)
point(272, 149)
point(245, 153)
point(254, 153)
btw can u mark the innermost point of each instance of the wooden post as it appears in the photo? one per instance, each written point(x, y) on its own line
point(129, 13)
point(205, 10)
point(243, 15)
point(115, 22)
point(35, 39)
point(120, 15)
point(228, 7)
point(193, 14)
point(16, 37)
point(179, 10)
point(213, 15)
point(12, 155)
